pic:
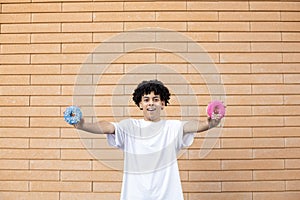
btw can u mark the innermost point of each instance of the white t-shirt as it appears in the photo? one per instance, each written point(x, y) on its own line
point(150, 158)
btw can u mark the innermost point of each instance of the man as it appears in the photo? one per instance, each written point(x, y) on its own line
point(150, 145)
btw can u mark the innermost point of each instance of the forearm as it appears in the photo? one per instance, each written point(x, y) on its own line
point(101, 127)
point(195, 126)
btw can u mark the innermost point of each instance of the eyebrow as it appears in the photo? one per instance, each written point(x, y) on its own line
point(146, 96)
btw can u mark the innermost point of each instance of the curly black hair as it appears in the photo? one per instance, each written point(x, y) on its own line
point(146, 87)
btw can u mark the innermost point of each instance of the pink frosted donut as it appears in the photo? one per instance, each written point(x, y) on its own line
point(215, 110)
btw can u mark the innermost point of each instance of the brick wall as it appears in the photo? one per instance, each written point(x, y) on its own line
point(254, 46)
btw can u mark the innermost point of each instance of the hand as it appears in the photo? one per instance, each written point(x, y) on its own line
point(79, 125)
point(213, 122)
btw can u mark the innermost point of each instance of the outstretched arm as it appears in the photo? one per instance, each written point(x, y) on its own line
point(195, 126)
point(101, 127)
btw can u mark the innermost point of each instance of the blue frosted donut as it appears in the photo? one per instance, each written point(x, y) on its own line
point(72, 115)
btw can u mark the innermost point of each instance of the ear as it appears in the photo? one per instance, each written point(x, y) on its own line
point(163, 104)
point(140, 106)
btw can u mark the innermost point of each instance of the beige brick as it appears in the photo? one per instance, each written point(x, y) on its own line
point(30, 28)
point(30, 48)
point(29, 132)
point(220, 175)
point(248, 36)
point(31, 7)
point(61, 17)
point(202, 36)
point(187, 16)
point(176, 26)
point(92, 6)
point(249, 16)
point(56, 143)
point(61, 37)
point(290, 16)
point(233, 68)
point(156, 6)
point(14, 18)
point(275, 89)
point(291, 99)
point(276, 153)
point(58, 58)
point(14, 80)
point(14, 185)
point(218, 26)
point(237, 89)
point(30, 90)
point(293, 185)
point(253, 164)
point(223, 154)
point(15, 59)
point(254, 186)
point(29, 154)
point(30, 195)
point(276, 110)
point(236, 132)
point(92, 27)
point(292, 163)
point(221, 47)
point(221, 196)
point(29, 111)
point(14, 143)
point(16, 38)
point(107, 186)
point(291, 57)
point(252, 143)
point(290, 36)
point(29, 69)
point(276, 175)
point(255, 100)
point(291, 121)
point(275, 26)
point(86, 154)
point(89, 196)
point(92, 69)
point(254, 121)
point(39, 122)
point(292, 142)
point(53, 100)
point(250, 57)
point(199, 164)
point(276, 132)
point(252, 79)
point(60, 79)
point(275, 68)
point(60, 164)
point(187, 58)
point(52, 186)
point(218, 6)
point(14, 164)
point(123, 16)
point(281, 6)
point(201, 186)
point(276, 195)
point(91, 176)
point(12, 122)
point(26, 175)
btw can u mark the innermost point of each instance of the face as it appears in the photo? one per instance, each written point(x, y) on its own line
point(152, 106)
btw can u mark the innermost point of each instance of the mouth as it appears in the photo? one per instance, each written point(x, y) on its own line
point(151, 109)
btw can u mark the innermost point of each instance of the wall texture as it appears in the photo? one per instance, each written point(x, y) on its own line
point(254, 45)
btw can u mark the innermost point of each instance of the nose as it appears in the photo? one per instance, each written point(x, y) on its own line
point(150, 102)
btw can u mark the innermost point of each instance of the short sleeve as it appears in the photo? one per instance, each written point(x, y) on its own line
point(186, 139)
point(116, 139)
